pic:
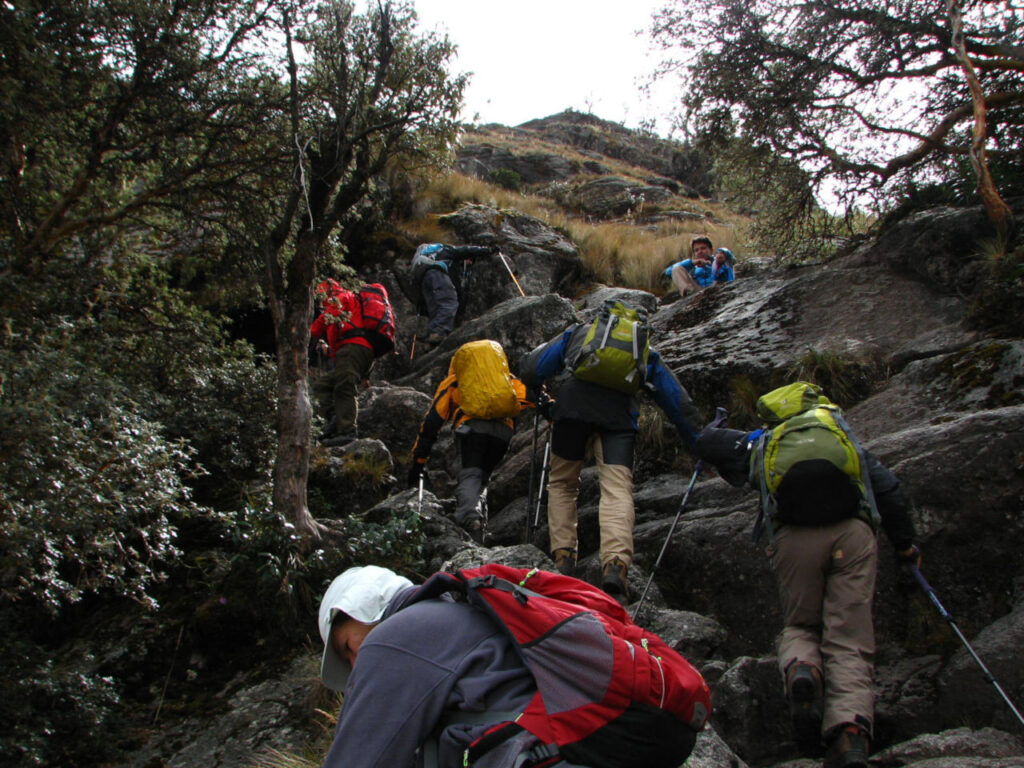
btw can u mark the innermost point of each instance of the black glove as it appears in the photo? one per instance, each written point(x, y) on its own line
point(493, 249)
point(909, 556)
point(545, 405)
point(416, 471)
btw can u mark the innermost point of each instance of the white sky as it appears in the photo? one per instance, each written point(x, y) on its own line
point(534, 58)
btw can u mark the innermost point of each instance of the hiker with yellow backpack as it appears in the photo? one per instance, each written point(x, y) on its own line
point(481, 398)
point(609, 362)
point(823, 498)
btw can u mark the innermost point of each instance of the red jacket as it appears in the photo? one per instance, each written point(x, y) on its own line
point(341, 320)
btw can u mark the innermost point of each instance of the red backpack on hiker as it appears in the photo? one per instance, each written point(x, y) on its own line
point(378, 318)
point(610, 694)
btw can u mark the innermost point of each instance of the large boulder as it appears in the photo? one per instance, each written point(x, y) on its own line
point(606, 197)
point(519, 325)
point(481, 160)
point(393, 415)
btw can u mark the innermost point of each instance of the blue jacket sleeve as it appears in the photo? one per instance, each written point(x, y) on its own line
point(546, 361)
point(673, 399)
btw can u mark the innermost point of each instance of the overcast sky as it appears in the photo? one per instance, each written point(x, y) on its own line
point(533, 58)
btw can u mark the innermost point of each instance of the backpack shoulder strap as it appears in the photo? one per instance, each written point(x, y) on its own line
point(768, 504)
point(865, 476)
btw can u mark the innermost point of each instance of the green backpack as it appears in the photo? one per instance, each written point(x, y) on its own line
point(805, 427)
point(615, 349)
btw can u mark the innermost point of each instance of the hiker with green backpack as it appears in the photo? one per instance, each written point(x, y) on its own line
point(823, 498)
point(607, 364)
point(481, 398)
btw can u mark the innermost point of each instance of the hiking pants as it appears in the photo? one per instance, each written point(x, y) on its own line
point(480, 454)
point(442, 301)
point(684, 281)
point(613, 450)
point(826, 581)
point(340, 386)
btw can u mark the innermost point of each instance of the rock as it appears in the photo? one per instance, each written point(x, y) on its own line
point(593, 301)
point(956, 743)
point(905, 695)
point(518, 325)
point(711, 751)
point(353, 477)
point(518, 556)
point(696, 637)
point(750, 710)
point(259, 710)
point(393, 415)
point(965, 692)
point(481, 160)
point(606, 197)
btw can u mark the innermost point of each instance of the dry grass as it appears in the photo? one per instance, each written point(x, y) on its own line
point(628, 253)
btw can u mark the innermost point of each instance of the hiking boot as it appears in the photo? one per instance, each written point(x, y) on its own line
point(805, 693)
point(431, 340)
point(475, 529)
point(565, 561)
point(613, 580)
point(848, 749)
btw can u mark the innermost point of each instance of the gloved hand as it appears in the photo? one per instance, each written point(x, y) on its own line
point(416, 471)
point(545, 405)
point(909, 556)
point(493, 249)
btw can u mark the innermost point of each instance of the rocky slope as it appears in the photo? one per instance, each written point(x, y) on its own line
point(941, 404)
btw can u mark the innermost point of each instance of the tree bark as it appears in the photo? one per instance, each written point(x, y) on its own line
point(998, 211)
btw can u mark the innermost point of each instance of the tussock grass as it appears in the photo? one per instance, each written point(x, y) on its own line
point(629, 253)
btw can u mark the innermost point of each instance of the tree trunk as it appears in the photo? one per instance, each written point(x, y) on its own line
point(292, 309)
point(999, 213)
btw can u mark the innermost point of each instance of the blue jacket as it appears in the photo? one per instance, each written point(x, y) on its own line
point(601, 406)
point(705, 276)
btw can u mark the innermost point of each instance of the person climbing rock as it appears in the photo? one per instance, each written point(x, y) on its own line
point(438, 682)
point(481, 398)
point(823, 499)
point(434, 287)
point(337, 330)
point(598, 406)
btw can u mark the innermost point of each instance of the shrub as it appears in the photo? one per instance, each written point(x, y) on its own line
point(506, 178)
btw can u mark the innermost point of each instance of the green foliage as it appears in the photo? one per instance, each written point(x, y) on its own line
point(54, 713)
point(506, 178)
point(844, 380)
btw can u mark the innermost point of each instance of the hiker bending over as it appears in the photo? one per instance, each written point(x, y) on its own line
point(340, 323)
point(823, 499)
point(701, 269)
point(424, 673)
point(432, 280)
point(598, 405)
point(481, 398)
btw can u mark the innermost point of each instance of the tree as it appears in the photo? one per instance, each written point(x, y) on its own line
point(369, 90)
point(867, 97)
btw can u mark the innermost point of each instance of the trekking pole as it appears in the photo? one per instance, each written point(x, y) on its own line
point(511, 273)
point(720, 416)
point(415, 333)
point(533, 470)
point(919, 577)
point(545, 467)
point(419, 501)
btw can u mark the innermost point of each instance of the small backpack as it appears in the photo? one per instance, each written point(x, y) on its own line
point(485, 389)
point(378, 322)
point(610, 694)
point(808, 465)
point(615, 349)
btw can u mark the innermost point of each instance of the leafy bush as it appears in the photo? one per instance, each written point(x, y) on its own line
point(506, 178)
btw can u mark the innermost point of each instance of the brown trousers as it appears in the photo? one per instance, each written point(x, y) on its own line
point(826, 582)
point(616, 514)
point(339, 388)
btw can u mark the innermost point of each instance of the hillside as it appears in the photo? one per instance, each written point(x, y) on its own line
point(586, 211)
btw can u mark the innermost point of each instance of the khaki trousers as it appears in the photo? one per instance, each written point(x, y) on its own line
point(826, 582)
point(616, 514)
point(339, 389)
point(684, 281)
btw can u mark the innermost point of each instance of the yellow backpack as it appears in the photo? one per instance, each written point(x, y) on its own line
point(485, 389)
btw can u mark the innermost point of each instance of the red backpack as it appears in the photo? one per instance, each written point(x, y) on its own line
point(610, 694)
point(378, 322)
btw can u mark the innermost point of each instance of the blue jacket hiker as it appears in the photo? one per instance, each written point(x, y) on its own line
point(433, 282)
point(587, 413)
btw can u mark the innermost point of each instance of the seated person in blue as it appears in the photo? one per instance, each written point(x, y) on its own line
point(701, 270)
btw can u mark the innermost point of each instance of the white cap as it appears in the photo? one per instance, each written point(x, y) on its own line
point(362, 594)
